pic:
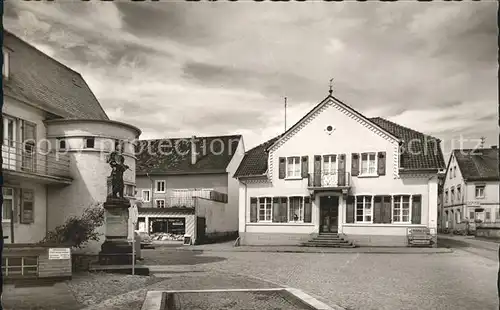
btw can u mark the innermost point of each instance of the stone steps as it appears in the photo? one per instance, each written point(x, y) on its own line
point(329, 240)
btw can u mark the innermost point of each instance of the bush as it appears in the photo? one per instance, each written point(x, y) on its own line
point(78, 231)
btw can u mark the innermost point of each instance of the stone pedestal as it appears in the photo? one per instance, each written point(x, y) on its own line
point(116, 250)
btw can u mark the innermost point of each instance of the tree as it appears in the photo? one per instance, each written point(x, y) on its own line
point(78, 231)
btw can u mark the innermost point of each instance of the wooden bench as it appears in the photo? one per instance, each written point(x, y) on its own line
point(420, 237)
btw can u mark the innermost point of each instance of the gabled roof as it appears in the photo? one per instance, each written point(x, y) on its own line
point(39, 80)
point(330, 98)
point(255, 161)
point(478, 164)
point(419, 151)
point(173, 156)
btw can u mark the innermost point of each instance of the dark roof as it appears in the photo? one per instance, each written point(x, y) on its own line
point(419, 151)
point(38, 79)
point(255, 161)
point(479, 164)
point(173, 156)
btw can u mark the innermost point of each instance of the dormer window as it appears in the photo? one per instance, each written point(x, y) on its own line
point(6, 64)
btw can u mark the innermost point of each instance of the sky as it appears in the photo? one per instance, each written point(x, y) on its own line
point(179, 69)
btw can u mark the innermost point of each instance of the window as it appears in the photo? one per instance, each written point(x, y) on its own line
point(497, 215)
point(119, 145)
point(363, 209)
point(27, 206)
point(129, 190)
point(451, 173)
point(6, 64)
point(89, 143)
point(479, 191)
point(293, 167)
point(61, 144)
point(9, 131)
point(296, 207)
point(452, 194)
point(8, 204)
point(160, 203)
point(446, 196)
point(472, 215)
point(160, 186)
point(487, 215)
point(459, 193)
point(455, 171)
point(20, 266)
point(146, 195)
point(265, 209)
point(368, 164)
point(401, 209)
point(329, 164)
point(458, 216)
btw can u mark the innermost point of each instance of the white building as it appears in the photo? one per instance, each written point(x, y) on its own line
point(338, 171)
point(471, 189)
point(56, 137)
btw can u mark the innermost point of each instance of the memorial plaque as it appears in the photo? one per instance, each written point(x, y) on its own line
point(59, 253)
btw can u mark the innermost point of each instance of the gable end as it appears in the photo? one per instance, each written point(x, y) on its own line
point(329, 102)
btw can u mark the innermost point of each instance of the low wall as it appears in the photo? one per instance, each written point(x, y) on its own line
point(488, 232)
point(217, 217)
point(33, 261)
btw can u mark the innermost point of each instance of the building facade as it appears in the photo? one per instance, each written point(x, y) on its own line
point(337, 171)
point(56, 138)
point(471, 189)
point(177, 178)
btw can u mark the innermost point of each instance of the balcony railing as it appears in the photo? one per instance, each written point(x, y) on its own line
point(27, 158)
point(331, 179)
point(187, 198)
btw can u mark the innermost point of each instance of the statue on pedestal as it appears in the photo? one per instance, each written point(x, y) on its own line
point(117, 163)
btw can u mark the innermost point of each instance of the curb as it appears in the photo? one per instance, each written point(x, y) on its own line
point(357, 251)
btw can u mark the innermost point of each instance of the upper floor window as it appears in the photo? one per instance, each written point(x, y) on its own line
point(452, 194)
point(480, 191)
point(89, 143)
point(129, 190)
point(455, 171)
point(146, 195)
point(9, 131)
point(6, 64)
point(459, 192)
point(61, 144)
point(368, 164)
point(446, 196)
point(160, 203)
point(160, 186)
point(363, 209)
point(451, 173)
point(329, 164)
point(293, 167)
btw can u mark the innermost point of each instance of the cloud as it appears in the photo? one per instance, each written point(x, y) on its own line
point(177, 69)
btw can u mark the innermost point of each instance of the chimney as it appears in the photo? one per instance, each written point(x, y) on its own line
point(194, 155)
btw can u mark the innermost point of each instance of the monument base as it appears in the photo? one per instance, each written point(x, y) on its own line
point(116, 250)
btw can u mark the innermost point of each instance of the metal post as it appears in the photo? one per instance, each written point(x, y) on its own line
point(133, 253)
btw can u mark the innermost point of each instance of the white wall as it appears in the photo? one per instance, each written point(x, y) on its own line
point(350, 136)
point(215, 214)
point(233, 191)
point(89, 168)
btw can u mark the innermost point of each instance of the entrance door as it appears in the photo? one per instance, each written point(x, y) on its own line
point(329, 214)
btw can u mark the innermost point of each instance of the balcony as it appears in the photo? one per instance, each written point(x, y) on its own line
point(24, 161)
point(332, 180)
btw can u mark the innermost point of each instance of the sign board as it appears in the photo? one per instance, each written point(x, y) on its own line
point(134, 214)
point(59, 253)
point(187, 240)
